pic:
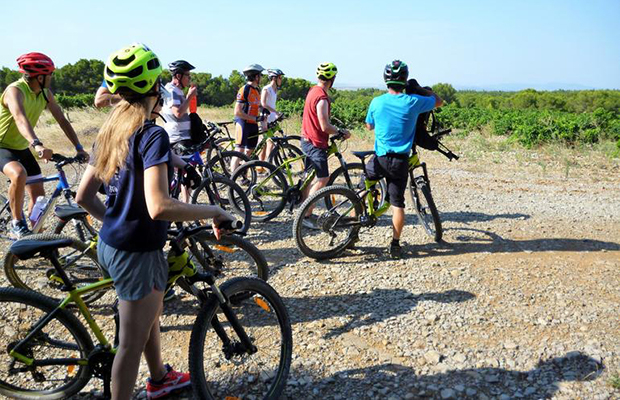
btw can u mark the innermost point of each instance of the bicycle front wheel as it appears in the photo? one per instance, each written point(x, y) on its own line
point(331, 229)
point(59, 351)
point(425, 208)
point(223, 192)
point(220, 163)
point(231, 256)
point(287, 151)
point(265, 187)
point(358, 178)
point(37, 274)
point(220, 365)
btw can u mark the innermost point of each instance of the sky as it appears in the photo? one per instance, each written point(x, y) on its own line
point(482, 44)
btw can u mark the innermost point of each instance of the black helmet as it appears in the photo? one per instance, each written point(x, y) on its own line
point(180, 66)
point(396, 73)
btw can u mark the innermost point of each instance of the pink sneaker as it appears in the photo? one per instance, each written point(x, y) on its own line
point(172, 382)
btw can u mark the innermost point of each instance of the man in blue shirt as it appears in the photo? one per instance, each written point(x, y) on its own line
point(393, 117)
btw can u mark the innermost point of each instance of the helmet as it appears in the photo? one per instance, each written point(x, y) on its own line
point(326, 71)
point(253, 69)
point(180, 66)
point(396, 73)
point(134, 67)
point(274, 73)
point(35, 64)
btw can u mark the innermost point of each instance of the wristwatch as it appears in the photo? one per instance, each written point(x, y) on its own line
point(36, 143)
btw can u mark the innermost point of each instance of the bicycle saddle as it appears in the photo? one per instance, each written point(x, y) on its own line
point(66, 211)
point(363, 154)
point(25, 249)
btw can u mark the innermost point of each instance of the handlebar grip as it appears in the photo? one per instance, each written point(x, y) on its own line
point(231, 225)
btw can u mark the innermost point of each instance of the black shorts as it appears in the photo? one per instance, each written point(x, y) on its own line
point(249, 134)
point(394, 167)
point(316, 158)
point(24, 157)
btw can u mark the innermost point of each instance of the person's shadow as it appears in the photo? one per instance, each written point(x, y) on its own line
point(398, 381)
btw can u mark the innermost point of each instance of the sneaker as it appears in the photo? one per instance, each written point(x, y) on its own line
point(396, 251)
point(310, 222)
point(172, 382)
point(19, 229)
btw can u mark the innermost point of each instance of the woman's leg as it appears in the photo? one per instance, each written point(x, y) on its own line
point(137, 321)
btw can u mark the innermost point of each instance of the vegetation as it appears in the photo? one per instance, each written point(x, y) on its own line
point(528, 116)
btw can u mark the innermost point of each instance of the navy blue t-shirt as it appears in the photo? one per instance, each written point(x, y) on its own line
point(127, 224)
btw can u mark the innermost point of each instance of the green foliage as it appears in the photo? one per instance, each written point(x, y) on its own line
point(75, 101)
point(446, 92)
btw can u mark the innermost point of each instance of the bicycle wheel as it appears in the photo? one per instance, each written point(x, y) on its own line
point(220, 163)
point(287, 151)
point(38, 275)
point(334, 228)
point(5, 217)
point(223, 192)
point(425, 208)
point(84, 230)
point(63, 343)
point(356, 173)
point(231, 256)
point(222, 369)
point(265, 187)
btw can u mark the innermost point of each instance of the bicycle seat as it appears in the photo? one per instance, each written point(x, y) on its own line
point(25, 248)
point(363, 154)
point(66, 212)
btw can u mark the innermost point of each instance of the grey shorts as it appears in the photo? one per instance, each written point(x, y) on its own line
point(135, 274)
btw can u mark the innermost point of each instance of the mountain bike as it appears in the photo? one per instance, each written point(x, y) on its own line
point(65, 213)
point(47, 352)
point(341, 211)
point(271, 187)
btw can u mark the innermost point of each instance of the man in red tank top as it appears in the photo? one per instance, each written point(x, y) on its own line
point(316, 129)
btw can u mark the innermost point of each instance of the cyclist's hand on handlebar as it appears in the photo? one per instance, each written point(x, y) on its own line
point(345, 133)
point(83, 155)
point(44, 153)
point(217, 221)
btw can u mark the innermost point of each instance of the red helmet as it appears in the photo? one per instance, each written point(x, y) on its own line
point(35, 64)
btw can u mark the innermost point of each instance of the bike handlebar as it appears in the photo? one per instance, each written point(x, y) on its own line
point(61, 160)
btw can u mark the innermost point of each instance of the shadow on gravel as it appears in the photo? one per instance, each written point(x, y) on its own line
point(466, 217)
point(383, 381)
point(364, 308)
point(481, 241)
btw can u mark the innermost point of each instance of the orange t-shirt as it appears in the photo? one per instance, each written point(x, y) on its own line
point(249, 96)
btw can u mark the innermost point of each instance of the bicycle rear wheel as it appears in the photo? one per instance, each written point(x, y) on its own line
point(63, 343)
point(333, 228)
point(425, 208)
point(220, 163)
point(219, 366)
point(38, 275)
point(265, 187)
point(5, 217)
point(231, 256)
point(356, 173)
point(223, 192)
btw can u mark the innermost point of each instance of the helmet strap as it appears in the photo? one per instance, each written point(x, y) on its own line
point(42, 86)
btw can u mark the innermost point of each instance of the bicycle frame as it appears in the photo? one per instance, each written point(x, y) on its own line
point(61, 188)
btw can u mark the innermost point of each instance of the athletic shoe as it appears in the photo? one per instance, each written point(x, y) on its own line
point(19, 229)
point(396, 251)
point(310, 222)
point(172, 382)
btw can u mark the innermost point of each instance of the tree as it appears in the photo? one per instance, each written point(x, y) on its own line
point(445, 91)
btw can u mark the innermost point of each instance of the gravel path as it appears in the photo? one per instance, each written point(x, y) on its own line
point(520, 301)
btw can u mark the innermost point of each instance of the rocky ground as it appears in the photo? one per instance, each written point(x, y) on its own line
point(521, 300)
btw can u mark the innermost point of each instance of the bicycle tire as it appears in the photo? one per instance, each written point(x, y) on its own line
point(223, 192)
point(425, 208)
point(206, 353)
point(33, 275)
point(82, 228)
point(307, 238)
point(231, 256)
point(220, 163)
point(62, 328)
point(357, 179)
point(265, 204)
point(287, 151)
point(5, 217)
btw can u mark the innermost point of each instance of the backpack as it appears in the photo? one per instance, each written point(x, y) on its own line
point(198, 130)
point(422, 137)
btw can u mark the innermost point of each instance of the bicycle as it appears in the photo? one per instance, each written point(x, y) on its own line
point(51, 355)
point(269, 187)
point(65, 212)
point(342, 211)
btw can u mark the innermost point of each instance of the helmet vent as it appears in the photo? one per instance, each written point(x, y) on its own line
point(140, 84)
point(134, 72)
point(124, 62)
point(152, 64)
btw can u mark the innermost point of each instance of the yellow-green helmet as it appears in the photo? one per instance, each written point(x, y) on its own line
point(326, 71)
point(134, 68)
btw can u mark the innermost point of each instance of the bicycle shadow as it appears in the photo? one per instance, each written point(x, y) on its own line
point(467, 217)
point(543, 381)
point(361, 309)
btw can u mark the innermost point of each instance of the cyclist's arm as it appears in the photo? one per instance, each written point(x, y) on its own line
point(370, 127)
point(87, 194)
point(103, 98)
point(240, 114)
point(66, 127)
point(429, 93)
point(14, 101)
point(263, 101)
point(322, 111)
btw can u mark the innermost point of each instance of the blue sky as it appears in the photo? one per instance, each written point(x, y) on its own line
point(482, 44)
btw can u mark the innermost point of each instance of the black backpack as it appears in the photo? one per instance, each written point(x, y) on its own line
point(198, 130)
